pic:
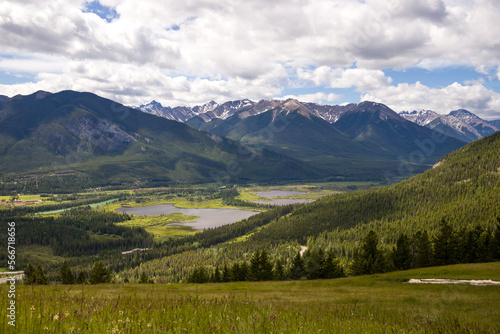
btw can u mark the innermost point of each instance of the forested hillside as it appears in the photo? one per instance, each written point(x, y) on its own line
point(462, 190)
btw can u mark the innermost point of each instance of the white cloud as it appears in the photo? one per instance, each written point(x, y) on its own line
point(474, 97)
point(362, 79)
point(233, 49)
point(320, 98)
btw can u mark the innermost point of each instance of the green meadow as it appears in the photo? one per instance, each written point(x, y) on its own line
point(383, 303)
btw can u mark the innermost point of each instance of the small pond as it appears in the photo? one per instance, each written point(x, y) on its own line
point(209, 218)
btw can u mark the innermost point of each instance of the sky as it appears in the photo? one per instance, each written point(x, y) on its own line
point(436, 55)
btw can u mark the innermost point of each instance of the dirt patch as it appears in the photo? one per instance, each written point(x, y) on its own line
point(452, 281)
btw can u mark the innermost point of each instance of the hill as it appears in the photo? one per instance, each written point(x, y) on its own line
point(366, 140)
point(91, 141)
point(463, 188)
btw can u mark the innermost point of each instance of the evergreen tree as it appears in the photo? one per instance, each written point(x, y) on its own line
point(423, 249)
point(144, 278)
point(225, 274)
point(297, 270)
point(261, 268)
point(199, 275)
point(266, 267)
point(217, 276)
point(30, 274)
point(484, 247)
point(316, 264)
point(81, 278)
point(368, 259)
point(99, 274)
point(244, 271)
point(495, 242)
point(40, 276)
point(255, 266)
point(333, 269)
point(279, 271)
point(235, 272)
point(401, 253)
point(445, 245)
point(65, 274)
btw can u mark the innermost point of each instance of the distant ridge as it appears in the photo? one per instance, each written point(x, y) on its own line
point(460, 124)
point(96, 141)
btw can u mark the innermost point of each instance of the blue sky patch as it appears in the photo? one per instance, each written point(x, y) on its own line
point(437, 78)
point(106, 13)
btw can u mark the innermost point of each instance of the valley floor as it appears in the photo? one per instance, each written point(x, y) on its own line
point(383, 303)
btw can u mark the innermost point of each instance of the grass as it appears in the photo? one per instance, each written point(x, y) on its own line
point(157, 225)
point(40, 254)
point(367, 304)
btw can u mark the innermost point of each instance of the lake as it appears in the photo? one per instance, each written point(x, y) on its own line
point(280, 201)
point(209, 218)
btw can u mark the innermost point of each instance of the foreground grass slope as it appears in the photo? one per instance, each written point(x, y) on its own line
point(366, 304)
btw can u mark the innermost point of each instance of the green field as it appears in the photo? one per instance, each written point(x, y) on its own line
point(368, 304)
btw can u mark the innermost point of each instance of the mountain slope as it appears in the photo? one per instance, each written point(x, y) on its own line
point(496, 124)
point(81, 133)
point(463, 189)
point(460, 124)
point(363, 141)
point(379, 128)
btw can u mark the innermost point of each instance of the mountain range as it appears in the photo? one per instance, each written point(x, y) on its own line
point(100, 142)
point(366, 139)
point(460, 124)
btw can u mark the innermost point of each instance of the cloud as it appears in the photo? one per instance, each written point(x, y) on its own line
point(320, 98)
point(193, 51)
point(362, 79)
point(474, 97)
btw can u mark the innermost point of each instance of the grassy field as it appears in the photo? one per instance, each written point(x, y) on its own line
point(367, 304)
point(157, 225)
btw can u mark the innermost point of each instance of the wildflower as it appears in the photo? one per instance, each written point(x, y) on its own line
point(233, 328)
point(120, 312)
point(56, 316)
point(272, 317)
point(46, 327)
point(32, 308)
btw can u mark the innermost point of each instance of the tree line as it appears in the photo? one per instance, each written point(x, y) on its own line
point(449, 246)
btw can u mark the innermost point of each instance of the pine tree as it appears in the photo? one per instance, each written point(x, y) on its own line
point(423, 250)
point(65, 274)
point(266, 267)
point(368, 259)
point(234, 272)
point(333, 269)
point(225, 274)
point(144, 278)
point(297, 270)
point(401, 253)
point(484, 247)
point(255, 266)
point(315, 265)
point(445, 245)
point(41, 279)
point(279, 271)
point(217, 277)
point(30, 274)
point(99, 274)
point(81, 278)
point(495, 242)
point(244, 271)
